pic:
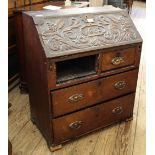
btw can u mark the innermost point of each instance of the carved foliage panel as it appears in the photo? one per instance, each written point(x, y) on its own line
point(86, 31)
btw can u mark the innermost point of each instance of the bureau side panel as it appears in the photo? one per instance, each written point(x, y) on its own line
point(21, 51)
point(36, 66)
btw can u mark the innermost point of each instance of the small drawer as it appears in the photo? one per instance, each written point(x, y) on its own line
point(83, 95)
point(117, 59)
point(84, 121)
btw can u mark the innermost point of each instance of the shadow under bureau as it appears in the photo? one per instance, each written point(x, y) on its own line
point(82, 68)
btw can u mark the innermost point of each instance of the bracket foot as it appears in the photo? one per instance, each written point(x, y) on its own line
point(54, 148)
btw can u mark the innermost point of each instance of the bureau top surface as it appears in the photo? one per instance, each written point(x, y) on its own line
point(77, 30)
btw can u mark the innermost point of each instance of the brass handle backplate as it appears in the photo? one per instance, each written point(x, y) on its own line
point(117, 110)
point(117, 60)
point(120, 84)
point(76, 124)
point(76, 98)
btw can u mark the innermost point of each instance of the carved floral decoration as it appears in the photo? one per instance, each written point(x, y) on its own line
point(72, 33)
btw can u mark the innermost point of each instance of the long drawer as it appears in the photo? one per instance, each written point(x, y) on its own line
point(84, 121)
point(83, 95)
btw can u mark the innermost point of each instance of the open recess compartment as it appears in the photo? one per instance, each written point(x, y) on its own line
point(75, 68)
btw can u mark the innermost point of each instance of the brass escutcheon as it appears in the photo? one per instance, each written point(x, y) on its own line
point(117, 60)
point(117, 110)
point(120, 84)
point(76, 124)
point(76, 98)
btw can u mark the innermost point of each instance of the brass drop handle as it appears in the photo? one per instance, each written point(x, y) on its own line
point(117, 60)
point(76, 125)
point(117, 110)
point(76, 98)
point(120, 85)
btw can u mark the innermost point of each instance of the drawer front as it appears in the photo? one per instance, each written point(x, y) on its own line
point(83, 95)
point(84, 121)
point(117, 59)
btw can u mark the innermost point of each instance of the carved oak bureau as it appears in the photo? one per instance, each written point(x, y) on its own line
point(82, 68)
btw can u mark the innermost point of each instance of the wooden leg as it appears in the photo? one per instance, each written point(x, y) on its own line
point(33, 120)
point(129, 119)
point(54, 148)
point(23, 88)
point(9, 105)
point(9, 148)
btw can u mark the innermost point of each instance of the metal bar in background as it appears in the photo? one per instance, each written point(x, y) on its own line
point(30, 1)
point(15, 4)
point(24, 3)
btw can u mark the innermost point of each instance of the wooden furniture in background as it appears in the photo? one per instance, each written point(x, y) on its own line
point(122, 4)
point(16, 65)
point(13, 56)
point(81, 75)
point(129, 4)
point(13, 60)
